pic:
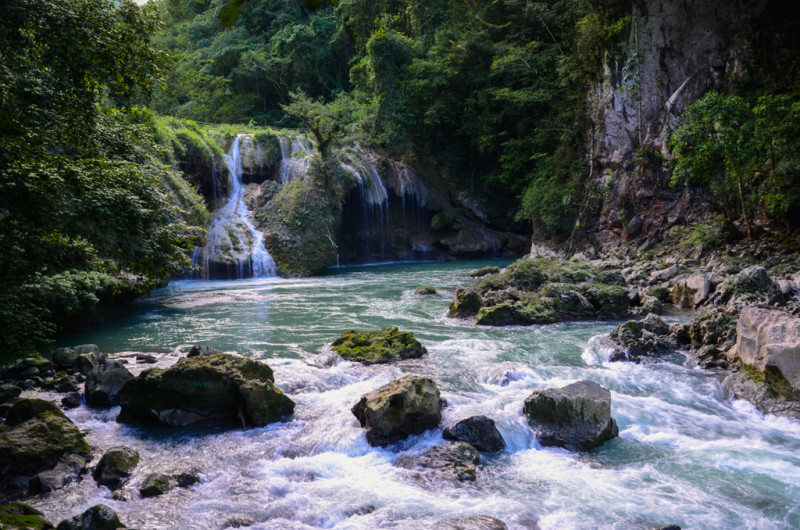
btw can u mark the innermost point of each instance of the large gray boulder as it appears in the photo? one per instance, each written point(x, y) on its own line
point(104, 382)
point(768, 344)
point(692, 291)
point(576, 417)
point(406, 406)
point(116, 467)
point(478, 431)
point(218, 388)
point(636, 339)
point(452, 462)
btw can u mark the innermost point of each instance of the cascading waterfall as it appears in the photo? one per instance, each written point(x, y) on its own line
point(294, 158)
point(235, 247)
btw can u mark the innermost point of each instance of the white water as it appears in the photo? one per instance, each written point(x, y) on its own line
point(294, 158)
point(232, 237)
point(686, 455)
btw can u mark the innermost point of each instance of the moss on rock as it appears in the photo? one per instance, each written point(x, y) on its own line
point(386, 345)
point(18, 516)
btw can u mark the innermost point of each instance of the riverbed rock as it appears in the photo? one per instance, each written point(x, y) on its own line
point(104, 382)
point(37, 437)
point(484, 271)
point(89, 358)
point(116, 467)
point(8, 392)
point(26, 367)
point(370, 347)
point(542, 291)
point(406, 406)
point(19, 516)
point(636, 339)
point(453, 462)
point(425, 290)
point(768, 346)
point(478, 522)
point(65, 471)
point(751, 286)
point(219, 388)
point(576, 417)
point(156, 484)
point(692, 291)
point(66, 357)
point(478, 431)
point(98, 517)
point(71, 400)
point(200, 350)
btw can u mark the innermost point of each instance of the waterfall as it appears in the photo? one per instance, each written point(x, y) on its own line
point(294, 157)
point(235, 247)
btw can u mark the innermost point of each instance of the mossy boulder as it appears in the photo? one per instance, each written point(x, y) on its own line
point(19, 516)
point(640, 338)
point(25, 367)
point(104, 382)
point(116, 467)
point(156, 484)
point(219, 388)
point(425, 290)
point(370, 347)
point(484, 271)
point(98, 517)
point(542, 291)
point(38, 435)
point(478, 431)
point(406, 406)
point(8, 392)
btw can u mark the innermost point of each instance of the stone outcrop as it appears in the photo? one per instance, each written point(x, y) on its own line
point(638, 339)
point(104, 382)
point(370, 347)
point(453, 462)
point(542, 291)
point(98, 517)
point(18, 516)
point(692, 291)
point(219, 388)
point(116, 467)
point(156, 484)
point(406, 406)
point(478, 431)
point(38, 437)
point(577, 417)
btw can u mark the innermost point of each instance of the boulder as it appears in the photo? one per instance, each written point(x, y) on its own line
point(156, 484)
point(478, 431)
point(8, 392)
point(454, 462)
point(38, 435)
point(576, 417)
point(71, 400)
point(65, 471)
point(478, 522)
point(89, 357)
point(218, 388)
point(66, 357)
point(664, 274)
point(200, 350)
point(25, 367)
point(186, 478)
point(484, 271)
point(692, 291)
point(116, 467)
point(98, 517)
point(768, 345)
point(425, 290)
point(104, 382)
point(370, 347)
point(406, 406)
point(639, 338)
point(18, 516)
point(466, 303)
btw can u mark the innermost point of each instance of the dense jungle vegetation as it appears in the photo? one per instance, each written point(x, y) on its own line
point(92, 94)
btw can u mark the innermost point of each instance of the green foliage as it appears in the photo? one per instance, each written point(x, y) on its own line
point(707, 235)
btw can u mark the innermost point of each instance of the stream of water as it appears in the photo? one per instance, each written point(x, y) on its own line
point(686, 454)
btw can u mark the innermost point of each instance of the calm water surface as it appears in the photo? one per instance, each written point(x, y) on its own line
point(686, 454)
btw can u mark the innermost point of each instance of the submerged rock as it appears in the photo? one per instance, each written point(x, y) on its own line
point(37, 437)
point(542, 291)
point(455, 462)
point(576, 417)
point(8, 392)
point(478, 431)
point(116, 467)
point(104, 382)
point(219, 388)
point(639, 338)
point(98, 517)
point(386, 345)
point(478, 522)
point(406, 406)
point(425, 290)
point(17, 515)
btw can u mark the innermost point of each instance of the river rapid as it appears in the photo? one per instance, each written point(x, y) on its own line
point(686, 454)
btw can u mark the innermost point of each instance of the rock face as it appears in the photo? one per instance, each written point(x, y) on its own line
point(478, 522)
point(116, 467)
point(98, 517)
point(542, 291)
point(26, 367)
point(454, 462)
point(768, 345)
point(478, 431)
point(639, 338)
point(104, 382)
point(219, 388)
point(66, 469)
point(692, 291)
point(577, 417)
point(406, 406)
point(386, 345)
point(37, 437)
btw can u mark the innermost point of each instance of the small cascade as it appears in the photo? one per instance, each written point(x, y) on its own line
point(235, 247)
point(294, 157)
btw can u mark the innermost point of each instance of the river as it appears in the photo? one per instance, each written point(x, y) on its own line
point(686, 454)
